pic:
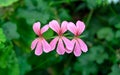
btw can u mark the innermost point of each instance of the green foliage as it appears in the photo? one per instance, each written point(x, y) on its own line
point(7, 2)
point(115, 70)
point(10, 30)
point(102, 35)
point(2, 36)
point(117, 25)
point(117, 34)
point(105, 33)
point(9, 63)
point(32, 16)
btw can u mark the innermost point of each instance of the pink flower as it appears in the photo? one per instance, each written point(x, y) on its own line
point(64, 44)
point(40, 44)
point(79, 45)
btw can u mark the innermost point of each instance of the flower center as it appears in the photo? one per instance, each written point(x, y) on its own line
point(60, 33)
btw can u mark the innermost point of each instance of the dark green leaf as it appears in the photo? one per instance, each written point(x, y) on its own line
point(10, 30)
point(105, 33)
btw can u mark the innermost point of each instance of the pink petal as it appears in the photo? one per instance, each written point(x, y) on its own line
point(34, 43)
point(77, 50)
point(54, 25)
point(64, 26)
point(68, 51)
point(71, 27)
point(46, 46)
point(83, 45)
point(60, 47)
point(53, 43)
point(69, 45)
point(38, 50)
point(80, 26)
point(73, 42)
point(44, 29)
point(36, 28)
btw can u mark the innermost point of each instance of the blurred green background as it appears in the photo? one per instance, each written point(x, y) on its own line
point(102, 35)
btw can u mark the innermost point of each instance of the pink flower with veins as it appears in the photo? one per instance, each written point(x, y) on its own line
point(79, 45)
point(64, 44)
point(40, 43)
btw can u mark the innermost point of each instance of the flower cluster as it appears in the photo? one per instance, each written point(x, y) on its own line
point(76, 45)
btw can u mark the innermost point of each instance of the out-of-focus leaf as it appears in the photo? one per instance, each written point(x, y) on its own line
point(7, 2)
point(33, 16)
point(85, 66)
point(48, 34)
point(117, 35)
point(41, 5)
point(24, 66)
point(10, 30)
point(64, 15)
point(114, 20)
point(29, 4)
point(8, 61)
point(105, 33)
point(98, 54)
point(115, 70)
point(91, 4)
point(47, 61)
point(117, 25)
point(13, 65)
point(2, 36)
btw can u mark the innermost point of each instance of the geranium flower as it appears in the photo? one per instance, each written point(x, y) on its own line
point(77, 29)
point(64, 44)
point(40, 44)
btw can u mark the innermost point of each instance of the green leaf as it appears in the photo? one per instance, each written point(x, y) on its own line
point(117, 25)
point(10, 30)
point(85, 66)
point(115, 70)
point(48, 34)
point(24, 66)
point(91, 4)
point(117, 35)
point(7, 2)
point(2, 36)
point(64, 14)
point(8, 61)
point(105, 33)
point(33, 16)
point(13, 65)
point(98, 54)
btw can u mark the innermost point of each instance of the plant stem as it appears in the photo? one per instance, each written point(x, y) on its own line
point(89, 17)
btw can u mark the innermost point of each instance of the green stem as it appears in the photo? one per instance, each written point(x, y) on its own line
point(89, 17)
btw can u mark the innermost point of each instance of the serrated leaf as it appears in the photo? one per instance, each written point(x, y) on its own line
point(7, 2)
point(105, 33)
point(10, 30)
